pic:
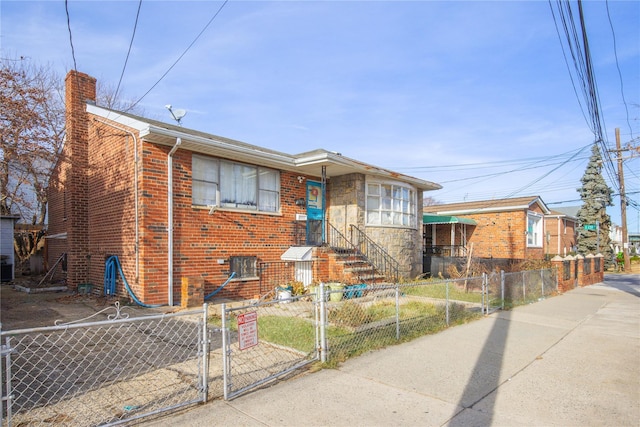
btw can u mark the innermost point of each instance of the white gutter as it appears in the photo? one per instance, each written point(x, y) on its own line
point(170, 217)
point(251, 151)
point(135, 185)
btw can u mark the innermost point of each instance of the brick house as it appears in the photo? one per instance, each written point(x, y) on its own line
point(174, 203)
point(561, 231)
point(510, 229)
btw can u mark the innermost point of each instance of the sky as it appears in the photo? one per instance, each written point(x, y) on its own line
point(481, 97)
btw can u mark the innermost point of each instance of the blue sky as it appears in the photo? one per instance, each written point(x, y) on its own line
point(476, 96)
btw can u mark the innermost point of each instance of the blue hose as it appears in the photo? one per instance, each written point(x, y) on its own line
point(222, 286)
point(110, 280)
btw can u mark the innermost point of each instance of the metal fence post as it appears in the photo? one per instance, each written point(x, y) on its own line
point(205, 352)
point(447, 302)
point(524, 289)
point(483, 293)
point(502, 287)
point(323, 324)
point(225, 356)
point(6, 352)
point(542, 281)
point(316, 321)
point(485, 285)
point(397, 312)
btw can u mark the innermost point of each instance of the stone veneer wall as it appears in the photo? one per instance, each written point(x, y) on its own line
point(347, 206)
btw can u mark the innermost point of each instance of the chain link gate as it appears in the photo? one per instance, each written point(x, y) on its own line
point(267, 340)
point(106, 372)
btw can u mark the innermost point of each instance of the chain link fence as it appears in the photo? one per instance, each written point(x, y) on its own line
point(267, 340)
point(122, 369)
point(105, 372)
point(507, 290)
point(363, 319)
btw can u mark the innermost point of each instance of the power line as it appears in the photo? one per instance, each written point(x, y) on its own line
point(578, 46)
point(181, 55)
point(615, 53)
point(73, 52)
point(135, 26)
point(483, 165)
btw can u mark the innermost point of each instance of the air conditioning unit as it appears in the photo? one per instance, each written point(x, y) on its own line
point(301, 217)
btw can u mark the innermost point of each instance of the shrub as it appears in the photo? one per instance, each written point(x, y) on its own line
point(349, 314)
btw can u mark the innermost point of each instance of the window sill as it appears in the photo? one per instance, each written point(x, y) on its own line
point(245, 279)
point(406, 227)
point(236, 210)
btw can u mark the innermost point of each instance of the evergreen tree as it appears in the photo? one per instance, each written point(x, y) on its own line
point(596, 196)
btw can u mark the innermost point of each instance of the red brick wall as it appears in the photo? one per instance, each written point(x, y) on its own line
point(582, 279)
point(562, 234)
point(69, 190)
point(499, 235)
point(496, 235)
point(111, 201)
point(200, 239)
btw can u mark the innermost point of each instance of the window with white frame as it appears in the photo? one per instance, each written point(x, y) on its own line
point(390, 204)
point(534, 229)
point(224, 183)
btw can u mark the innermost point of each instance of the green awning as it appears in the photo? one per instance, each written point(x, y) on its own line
point(446, 219)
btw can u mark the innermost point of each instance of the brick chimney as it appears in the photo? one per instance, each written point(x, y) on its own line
point(79, 88)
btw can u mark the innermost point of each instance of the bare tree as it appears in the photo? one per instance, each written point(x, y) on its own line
point(110, 97)
point(31, 138)
point(32, 134)
point(430, 201)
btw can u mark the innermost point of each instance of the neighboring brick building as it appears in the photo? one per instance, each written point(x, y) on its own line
point(561, 231)
point(174, 203)
point(510, 229)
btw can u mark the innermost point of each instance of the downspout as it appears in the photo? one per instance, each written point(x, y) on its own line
point(135, 185)
point(170, 217)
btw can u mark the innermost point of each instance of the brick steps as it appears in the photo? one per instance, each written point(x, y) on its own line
point(356, 265)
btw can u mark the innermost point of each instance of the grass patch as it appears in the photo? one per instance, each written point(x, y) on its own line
point(439, 290)
point(286, 331)
point(290, 332)
point(356, 328)
point(378, 328)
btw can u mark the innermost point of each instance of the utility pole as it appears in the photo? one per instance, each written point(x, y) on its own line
point(623, 204)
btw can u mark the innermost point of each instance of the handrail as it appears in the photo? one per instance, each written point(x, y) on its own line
point(337, 240)
point(375, 254)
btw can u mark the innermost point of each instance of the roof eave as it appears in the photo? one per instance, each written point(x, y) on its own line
point(341, 164)
point(309, 163)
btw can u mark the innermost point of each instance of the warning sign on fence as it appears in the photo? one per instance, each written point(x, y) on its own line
point(248, 330)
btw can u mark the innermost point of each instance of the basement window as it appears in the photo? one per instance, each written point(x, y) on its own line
point(244, 267)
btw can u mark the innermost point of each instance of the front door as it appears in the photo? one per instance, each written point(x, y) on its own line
point(315, 213)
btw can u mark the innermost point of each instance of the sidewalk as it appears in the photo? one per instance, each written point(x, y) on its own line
point(571, 360)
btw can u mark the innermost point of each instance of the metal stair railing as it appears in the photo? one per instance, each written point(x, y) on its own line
point(375, 254)
point(339, 242)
